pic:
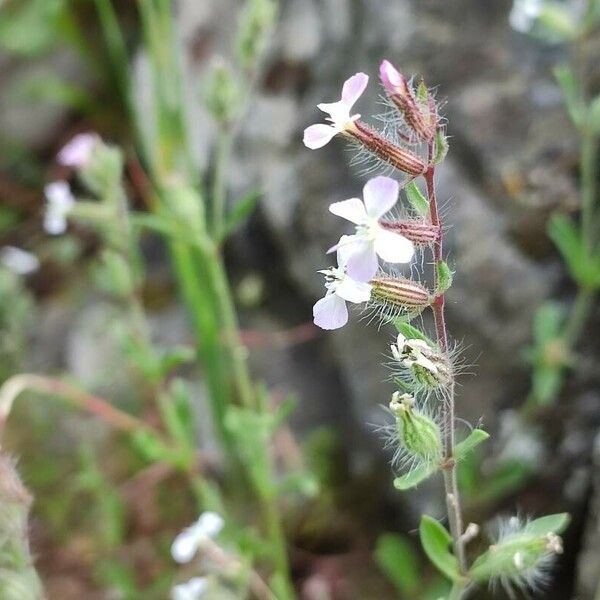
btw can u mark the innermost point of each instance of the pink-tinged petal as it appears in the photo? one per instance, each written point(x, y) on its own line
point(353, 291)
point(362, 263)
point(339, 112)
point(330, 312)
point(352, 210)
point(390, 76)
point(380, 194)
point(317, 136)
point(345, 248)
point(78, 151)
point(393, 248)
point(353, 88)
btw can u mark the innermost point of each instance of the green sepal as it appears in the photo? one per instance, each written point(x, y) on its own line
point(555, 523)
point(412, 333)
point(436, 541)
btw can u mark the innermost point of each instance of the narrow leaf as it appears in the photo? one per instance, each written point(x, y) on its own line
point(567, 81)
point(444, 277)
point(410, 332)
point(240, 212)
point(416, 476)
point(416, 198)
point(594, 114)
point(441, 147)
point(476, 437)
point(396, 558)
point(436, 540)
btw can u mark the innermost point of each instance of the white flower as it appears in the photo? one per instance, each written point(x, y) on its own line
point(371, 239)
point(524, 14)
point(19, 261)
point(78, 151)
point(60, 201)
point(187, 543)
point(331, 312)
point(317, 136)
point(410, 352)
point(190, 590)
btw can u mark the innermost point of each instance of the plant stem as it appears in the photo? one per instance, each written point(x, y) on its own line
point(450, 477)
point(219, 187)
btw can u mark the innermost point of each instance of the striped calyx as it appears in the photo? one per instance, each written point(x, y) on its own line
point(399, 158)
point(403, 294)
point(419, 232)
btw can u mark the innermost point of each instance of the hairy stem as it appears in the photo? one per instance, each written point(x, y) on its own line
point(450, 476)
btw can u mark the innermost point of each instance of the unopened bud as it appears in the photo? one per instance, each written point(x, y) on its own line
point(399, 158)
point(417, 432)
point(418, 110)
point(222, 93)
point(103, 170)
point(420, 233)
point(403, 294)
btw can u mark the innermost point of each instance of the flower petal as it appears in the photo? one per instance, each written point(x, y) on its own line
point(78, 151)
point(352, 210)
point(317, 136)
point(353, 89)
point(380, 195)
point(330, 312)
point(185, 545)
point(345, 248)
point(390, 76)
point(209, 524)
point(353, 291)
point(393, 248)
point(339, 113)
point(190, 590)
point(362, 263)
point(54, 224)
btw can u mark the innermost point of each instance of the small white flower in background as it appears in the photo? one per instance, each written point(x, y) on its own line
point(524, 13)
point(331, 312)
point(77, 152)
point(317, 136)
point(19, 261)
point(60, 201)
point(187, 543)
point(190, 590)
point(371, 239)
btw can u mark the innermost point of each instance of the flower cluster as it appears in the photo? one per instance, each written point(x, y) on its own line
point(358, 278)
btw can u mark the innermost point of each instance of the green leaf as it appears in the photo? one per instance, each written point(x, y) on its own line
point(558, 23)
point(441, 146)
point(410, 332)
point(571, 90)
point(240, 212)
point(417, 200)
point(546, 382)
point(476, 437)
point(556, 523)
point(436, 540)
point(444, 278)
point(396, 558)
point(547, 322)
point(594, 114)
point(414, 477)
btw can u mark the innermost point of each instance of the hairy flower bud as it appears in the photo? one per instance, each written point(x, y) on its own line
point(420, 233)
point(399, 158)
point(417, 432)
point(521, 555)
point(402, 294)
point(427, 367)
point(418, 110)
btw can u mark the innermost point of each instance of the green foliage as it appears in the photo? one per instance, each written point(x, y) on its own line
point(412, 333)
point(417, 200)
point(441, 146)
point(436, 541)
point(556, 523)
point(567, 81)
point(476, 437)
point(396, 558)
point(222, 95)
point(557, 23)
point(241, 210)
point(444, 277)
point(415, 476)
point(256, 21)
point(594, 115)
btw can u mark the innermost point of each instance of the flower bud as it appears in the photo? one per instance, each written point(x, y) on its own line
point(418, 110)
point(223, 95)
point(520, 556)
point(402, 294)
point(418, 433)
point(102, 171)
point(399, 158)
point(419, 232)
point(427, 367)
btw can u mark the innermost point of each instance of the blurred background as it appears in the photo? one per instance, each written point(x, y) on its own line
point(99, 525)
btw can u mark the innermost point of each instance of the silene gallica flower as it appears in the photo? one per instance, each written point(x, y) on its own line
point(191, 539)
point(60, 201)
point(371, 238)
point(331, 311)
point(19, 261)
point(77, 152)
point(317, 136)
